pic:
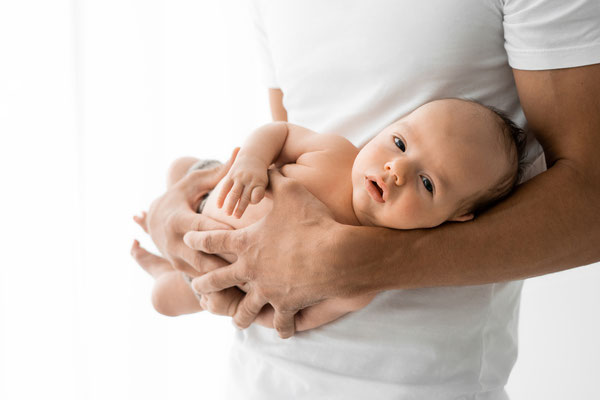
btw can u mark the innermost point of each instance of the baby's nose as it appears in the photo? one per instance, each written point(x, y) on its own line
point(397, 172)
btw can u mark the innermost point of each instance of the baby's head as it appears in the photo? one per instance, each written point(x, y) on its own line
point(445, 161)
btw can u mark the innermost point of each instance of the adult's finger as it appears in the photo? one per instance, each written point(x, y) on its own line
point(216, 242)
point(224, 302)
point(201, 263)
point(248, 309)
point(283, 322)
point(185, 260)
point(218, 279)
point(280, 184)
point(181, 256)
point(183, 222)
point(181, 265)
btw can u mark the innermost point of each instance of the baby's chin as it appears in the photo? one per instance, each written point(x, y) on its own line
point(363, 216)
point(407, 224)
point(364, 219)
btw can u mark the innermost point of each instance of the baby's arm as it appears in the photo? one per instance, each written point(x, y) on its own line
point(246, 182)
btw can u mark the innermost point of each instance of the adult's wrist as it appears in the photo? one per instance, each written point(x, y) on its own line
point(360, 259)
point(374, 259)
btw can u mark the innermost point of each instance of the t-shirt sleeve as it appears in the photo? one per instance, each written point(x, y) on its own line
point(263, 50)
point(550, 34)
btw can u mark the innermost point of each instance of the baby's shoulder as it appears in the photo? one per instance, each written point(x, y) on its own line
point(330, 141)
point(329, 148)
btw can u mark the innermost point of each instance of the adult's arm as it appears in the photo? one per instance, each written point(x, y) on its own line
point(551, 223)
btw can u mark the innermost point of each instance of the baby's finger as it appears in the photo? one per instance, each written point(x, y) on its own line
point(227, 184)
point(227, 166)
point(244, 201)
point(233, 197)
point(257, 194)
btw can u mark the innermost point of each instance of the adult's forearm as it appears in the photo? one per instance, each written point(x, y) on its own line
point(549, 224)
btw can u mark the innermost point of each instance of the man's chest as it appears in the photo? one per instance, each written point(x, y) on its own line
point(371, 36)
point(352, 67)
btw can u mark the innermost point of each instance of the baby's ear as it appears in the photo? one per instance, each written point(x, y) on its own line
point(463, 218)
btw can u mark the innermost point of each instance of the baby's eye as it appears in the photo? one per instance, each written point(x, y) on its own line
point(399, 143)
point(427, 183)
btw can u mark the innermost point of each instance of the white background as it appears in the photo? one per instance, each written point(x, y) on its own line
point(96, 99)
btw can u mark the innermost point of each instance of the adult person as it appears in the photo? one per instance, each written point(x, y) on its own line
point(451, 331)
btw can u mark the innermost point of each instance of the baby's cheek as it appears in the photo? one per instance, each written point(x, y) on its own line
point(406, 214)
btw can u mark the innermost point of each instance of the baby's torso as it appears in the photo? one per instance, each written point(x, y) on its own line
point(326, 174)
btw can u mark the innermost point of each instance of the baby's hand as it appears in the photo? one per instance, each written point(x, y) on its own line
point(245, 183)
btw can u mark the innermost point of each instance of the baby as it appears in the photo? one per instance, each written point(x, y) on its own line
point(446, 161)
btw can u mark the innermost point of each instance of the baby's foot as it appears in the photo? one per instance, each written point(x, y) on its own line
point(151, 263)
point(141, 221)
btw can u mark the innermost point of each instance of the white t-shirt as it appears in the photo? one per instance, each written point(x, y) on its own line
point(352, 67)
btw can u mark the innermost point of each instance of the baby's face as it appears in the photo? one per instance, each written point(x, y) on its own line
point(417, 172)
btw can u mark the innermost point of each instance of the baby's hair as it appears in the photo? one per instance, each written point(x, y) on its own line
point(513, 140)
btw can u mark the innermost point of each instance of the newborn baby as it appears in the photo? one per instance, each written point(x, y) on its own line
point(445, 161)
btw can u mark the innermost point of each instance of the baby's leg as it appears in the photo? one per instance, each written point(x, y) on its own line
point(171, 294)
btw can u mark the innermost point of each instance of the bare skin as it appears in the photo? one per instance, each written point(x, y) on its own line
point(549, 224)
point(222, 302)
point(408, 176)
point(172, 295)
point(180, 299)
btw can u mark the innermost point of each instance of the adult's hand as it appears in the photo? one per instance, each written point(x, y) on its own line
point(174, 213)
point(294, 257)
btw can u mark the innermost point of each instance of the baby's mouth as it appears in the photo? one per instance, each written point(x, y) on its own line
point(378, 188)
point(374, 189)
